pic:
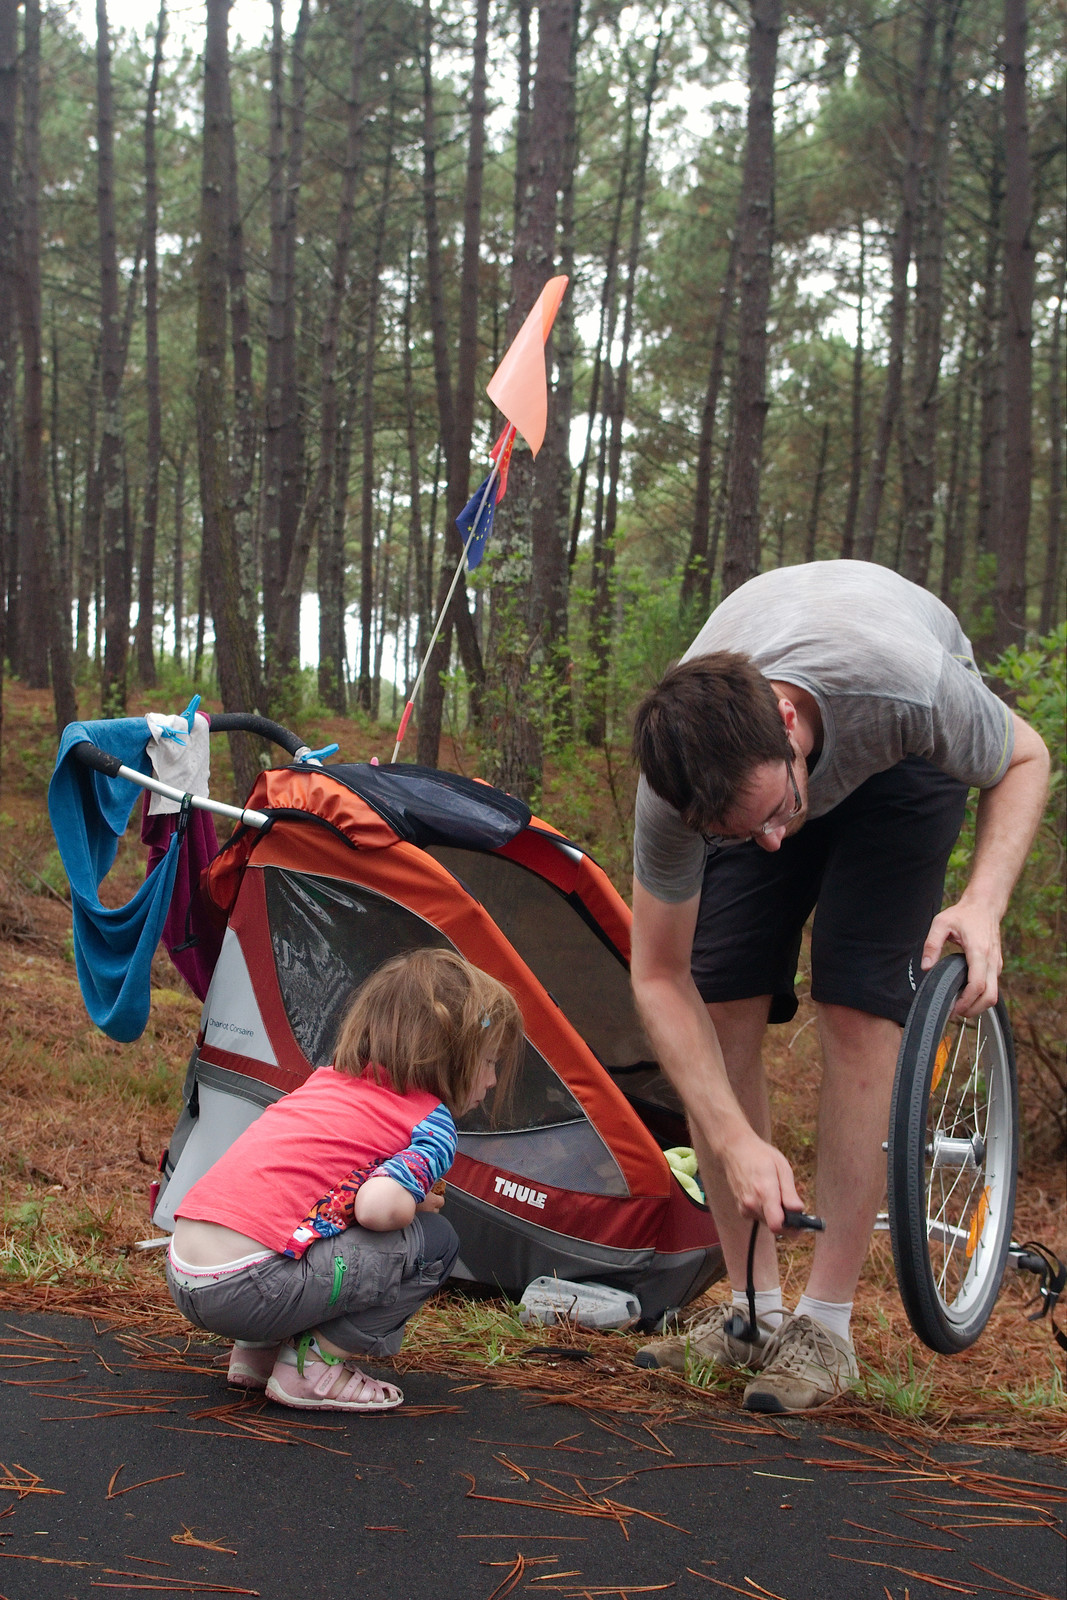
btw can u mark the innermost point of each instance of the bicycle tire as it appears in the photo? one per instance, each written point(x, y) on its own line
point(953, 1156)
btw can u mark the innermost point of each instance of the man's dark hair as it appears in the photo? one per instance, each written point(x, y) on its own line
point(702, 730)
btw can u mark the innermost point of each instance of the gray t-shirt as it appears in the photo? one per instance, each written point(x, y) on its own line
point(892, 673)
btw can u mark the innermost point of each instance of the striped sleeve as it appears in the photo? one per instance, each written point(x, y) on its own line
point(428, 1157)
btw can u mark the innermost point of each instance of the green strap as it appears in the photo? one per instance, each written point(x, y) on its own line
point(303, 1345)
point(338, 1278)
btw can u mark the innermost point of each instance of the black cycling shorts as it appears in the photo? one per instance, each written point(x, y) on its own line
point(873, 869)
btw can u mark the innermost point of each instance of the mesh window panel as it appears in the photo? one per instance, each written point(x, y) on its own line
point(328, 936)
point(589, 984)
point(569, 1157)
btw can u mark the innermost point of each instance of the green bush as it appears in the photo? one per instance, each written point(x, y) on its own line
point(1035, 678)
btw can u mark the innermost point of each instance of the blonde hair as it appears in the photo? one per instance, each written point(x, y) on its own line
point(428, 1020)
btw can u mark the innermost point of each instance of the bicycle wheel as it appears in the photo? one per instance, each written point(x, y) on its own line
point(953, 1146)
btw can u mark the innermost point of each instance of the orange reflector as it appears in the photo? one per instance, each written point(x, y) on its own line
point(974, 1232)
point(940, 1062)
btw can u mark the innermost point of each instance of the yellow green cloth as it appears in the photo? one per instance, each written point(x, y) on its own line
point(683, 1163)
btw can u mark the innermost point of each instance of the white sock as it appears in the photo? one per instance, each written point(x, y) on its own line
point(769, 1308)
point(835, 1316)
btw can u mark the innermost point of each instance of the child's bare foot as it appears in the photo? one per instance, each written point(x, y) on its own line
point(306, 1377)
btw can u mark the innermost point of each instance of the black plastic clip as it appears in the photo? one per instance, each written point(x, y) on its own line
point(1040, 1260)
point(191, 939)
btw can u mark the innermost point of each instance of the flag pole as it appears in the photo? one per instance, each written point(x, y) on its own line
point(439, 624)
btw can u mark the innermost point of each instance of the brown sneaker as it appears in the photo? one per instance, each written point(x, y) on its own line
point(706, 1339)
point(805, 1365)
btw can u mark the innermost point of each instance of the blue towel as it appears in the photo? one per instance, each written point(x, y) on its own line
point(113, 949)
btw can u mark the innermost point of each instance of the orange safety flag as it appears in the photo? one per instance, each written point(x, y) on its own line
point(501, 454)
point(519, 386)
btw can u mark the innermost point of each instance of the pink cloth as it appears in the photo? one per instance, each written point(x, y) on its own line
point(201, 845)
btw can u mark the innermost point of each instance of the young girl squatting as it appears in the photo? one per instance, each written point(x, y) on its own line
point(317, 1235)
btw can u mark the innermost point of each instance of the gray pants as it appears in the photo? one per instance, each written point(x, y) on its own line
point(358, 1289)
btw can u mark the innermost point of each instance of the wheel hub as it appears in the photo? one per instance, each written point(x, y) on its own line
point(959, 1154)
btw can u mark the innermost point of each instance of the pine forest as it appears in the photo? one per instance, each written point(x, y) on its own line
point(259, 263)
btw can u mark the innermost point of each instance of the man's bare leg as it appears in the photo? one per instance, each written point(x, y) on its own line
point(859, 1060)
point(740, 1026)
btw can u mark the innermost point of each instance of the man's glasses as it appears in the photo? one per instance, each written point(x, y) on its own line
point(716, 841)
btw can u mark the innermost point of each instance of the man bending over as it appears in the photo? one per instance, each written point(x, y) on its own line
point(813, 749)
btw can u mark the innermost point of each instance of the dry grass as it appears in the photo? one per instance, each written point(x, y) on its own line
point(84, 1120)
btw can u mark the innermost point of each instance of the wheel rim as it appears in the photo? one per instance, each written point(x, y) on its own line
point(967, 1167)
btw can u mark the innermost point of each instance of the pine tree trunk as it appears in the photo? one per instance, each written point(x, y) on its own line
point(958, 477)
point(60, 651)
point(1010, 593)
point(855, 476)
point(333, 690)
point(179, 553)
point(816, 495)
point(144, 638)
point(608, 308)
point(755, 245)
point(319, 503)
point(991, 372)
point(9, 50)
point(366, 688)
point(523, 11)
point(515, 732)
point(89, 543)
point(385, 552)
point(282, 443)
point(898, 300)
point(416, 539)
point(243, 453)
point(919, 462)
point(235, 656)
point(455, 412)
point(30, 645)
point(1051, 589)
point(697, 573)
point(551, 522)
point(201, 619)
point(116, 568)
point(602, 610)
point(467, 351)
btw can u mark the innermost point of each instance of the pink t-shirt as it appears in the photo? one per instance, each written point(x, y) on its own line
point(292, 1177)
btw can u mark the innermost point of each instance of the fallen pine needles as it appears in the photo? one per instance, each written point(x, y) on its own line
point(113, 1493)
point(187, 1536)
point(724, 1585)
point(20, 1481)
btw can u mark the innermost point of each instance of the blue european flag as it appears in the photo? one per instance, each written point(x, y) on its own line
point(477, 514)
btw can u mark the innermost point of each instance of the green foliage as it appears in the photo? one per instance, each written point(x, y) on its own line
point(30, 1252)
point(650, 637)
point(1035, 678)
point(1043, 1396)
point(487, 1332)
point(707, 1374)
point(48, 877)
point(900, 1388)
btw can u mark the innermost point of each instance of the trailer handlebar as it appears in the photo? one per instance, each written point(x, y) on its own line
point(249, 722)
point(90, 755)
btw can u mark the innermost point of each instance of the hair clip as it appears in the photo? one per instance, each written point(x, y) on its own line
point(487, 1021)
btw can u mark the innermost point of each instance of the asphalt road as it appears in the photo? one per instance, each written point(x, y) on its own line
point(468, 1492)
